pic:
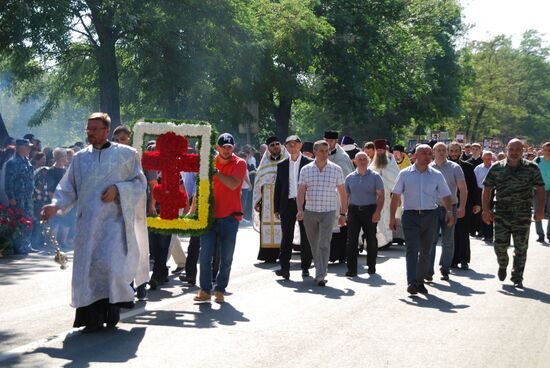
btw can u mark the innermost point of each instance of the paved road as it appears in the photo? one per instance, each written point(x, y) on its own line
point(472, 321)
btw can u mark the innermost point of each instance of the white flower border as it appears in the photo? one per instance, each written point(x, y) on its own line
point(186, 130)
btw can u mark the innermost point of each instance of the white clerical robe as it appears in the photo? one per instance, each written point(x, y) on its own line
point(264, 191)
point(384, 234)
point(111, 244)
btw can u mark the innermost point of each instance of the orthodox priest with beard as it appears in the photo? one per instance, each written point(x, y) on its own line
point(338, 156)
point(265, 221)
point(384, 164)
point(106, 182)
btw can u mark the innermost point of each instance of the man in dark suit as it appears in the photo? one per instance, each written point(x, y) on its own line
point(474, 160)
point(286, 190)
point(473, 207)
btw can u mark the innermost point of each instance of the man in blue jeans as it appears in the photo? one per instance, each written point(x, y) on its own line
point(421, 187)
point(228, 179)
point(454, 176)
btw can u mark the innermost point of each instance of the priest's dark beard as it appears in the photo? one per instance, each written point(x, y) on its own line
point(380, 161)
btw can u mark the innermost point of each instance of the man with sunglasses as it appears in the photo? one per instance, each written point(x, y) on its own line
point(263, 201)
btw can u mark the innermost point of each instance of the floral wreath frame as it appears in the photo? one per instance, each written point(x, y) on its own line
point(198, 223)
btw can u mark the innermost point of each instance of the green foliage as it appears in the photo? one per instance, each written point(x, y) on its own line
point(508, 89)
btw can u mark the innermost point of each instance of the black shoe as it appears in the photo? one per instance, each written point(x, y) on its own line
point(502, 274)
point(465, 266)
point(422, 289)
point(322, 283)
point(178, 270)
point(445, 276)
point(113, 316)
point(305, 273)
point(92, 329)
point(282, 273)
point(141, 292)
point(518, 285)
point(412, 289)
point(371, 270)
point(540, 239)
point(153, 283)
point(351, 274)
point(429, 278)
point(188, 279)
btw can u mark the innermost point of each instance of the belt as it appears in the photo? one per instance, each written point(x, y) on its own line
point(420, 212)
point(361, 208)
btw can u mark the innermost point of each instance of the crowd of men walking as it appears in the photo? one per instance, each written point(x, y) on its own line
point(329, 198)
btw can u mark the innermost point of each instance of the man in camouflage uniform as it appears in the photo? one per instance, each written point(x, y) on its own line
point(513, 180)
point(19, 186)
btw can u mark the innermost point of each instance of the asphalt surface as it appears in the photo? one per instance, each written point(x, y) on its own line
point(474, 320)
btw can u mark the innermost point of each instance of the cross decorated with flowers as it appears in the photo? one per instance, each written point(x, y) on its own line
point(170, 158)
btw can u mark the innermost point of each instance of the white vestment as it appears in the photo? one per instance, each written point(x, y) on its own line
point(111, 246)
point(264, 191)
point(384, 234)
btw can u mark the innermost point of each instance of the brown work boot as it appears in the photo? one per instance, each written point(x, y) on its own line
point(218, 296)
point(202, 296)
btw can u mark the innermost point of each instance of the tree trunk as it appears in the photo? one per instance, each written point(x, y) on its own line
point(282, 117)
point(109, 90)
point(3, 132)
point(476, 122)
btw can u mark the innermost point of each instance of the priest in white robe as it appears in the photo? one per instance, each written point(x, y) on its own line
point(263, 196)
point(384, 164)
point(106, 183)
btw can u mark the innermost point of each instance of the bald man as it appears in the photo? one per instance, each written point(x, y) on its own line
point(513, 180)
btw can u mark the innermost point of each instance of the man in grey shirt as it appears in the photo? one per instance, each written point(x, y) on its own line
point(365, 191)
point(421, 187)
point(454, 176)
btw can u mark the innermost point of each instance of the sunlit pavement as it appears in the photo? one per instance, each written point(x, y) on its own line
point(369, 321)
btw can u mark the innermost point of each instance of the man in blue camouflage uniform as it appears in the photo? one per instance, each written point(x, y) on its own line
point(19, 186)
point(513, 180)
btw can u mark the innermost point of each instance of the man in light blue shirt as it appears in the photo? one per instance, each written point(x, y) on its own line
point(421, 186)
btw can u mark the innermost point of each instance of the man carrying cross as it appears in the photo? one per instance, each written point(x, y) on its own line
point(228, 179)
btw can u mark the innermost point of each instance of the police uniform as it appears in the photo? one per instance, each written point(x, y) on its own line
point(512, 214)
point(19, 185)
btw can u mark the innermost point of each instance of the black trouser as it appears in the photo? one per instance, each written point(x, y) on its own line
point(361, 217)
point(288, 221)
point(462, 239)
point(159, 244)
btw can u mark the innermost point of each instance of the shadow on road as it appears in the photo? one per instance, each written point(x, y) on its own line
point(434, 302)
point(374, 280)
point(107, 346)
point(20, 267)
point(206, 317)
point(308, 286)
point(456, 288)
point(473, 275)
point(526, 293)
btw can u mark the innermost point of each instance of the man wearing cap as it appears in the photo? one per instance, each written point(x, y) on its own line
point(262, 201)
point(338, 156)
point(286, 190)
point(421, 186)
point(384, 165)
point(19, 185)
point(316, 186)
point(401, 157)
point(228, 180)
